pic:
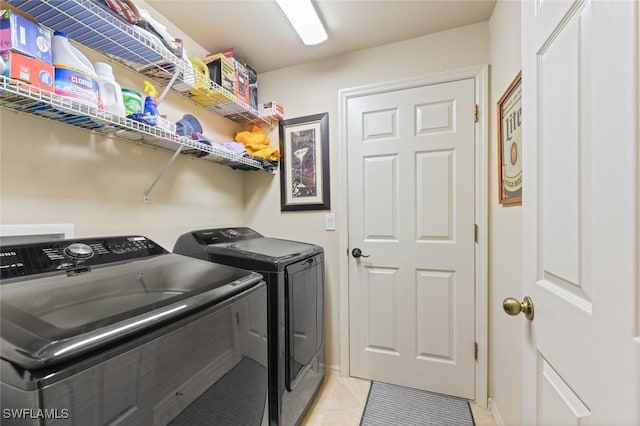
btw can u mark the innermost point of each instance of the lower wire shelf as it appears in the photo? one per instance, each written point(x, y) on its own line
point(18, 96)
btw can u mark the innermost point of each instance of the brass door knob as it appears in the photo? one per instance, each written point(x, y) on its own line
point(514, 306)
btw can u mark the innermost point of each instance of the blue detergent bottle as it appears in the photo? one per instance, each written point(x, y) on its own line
point(150, 102)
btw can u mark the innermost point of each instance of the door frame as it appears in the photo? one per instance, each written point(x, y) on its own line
point(480, 74)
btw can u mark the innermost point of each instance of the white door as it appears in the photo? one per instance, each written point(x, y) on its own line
point(411, 211)
point(581, 357)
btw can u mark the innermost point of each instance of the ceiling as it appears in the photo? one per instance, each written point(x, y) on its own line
point(262, 36)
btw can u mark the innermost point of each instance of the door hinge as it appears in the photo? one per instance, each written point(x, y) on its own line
point(475, 350)
point(475, 113)
point(475, 233)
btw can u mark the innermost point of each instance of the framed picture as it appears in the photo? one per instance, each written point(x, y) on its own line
point(304, 163)
point(510, 143)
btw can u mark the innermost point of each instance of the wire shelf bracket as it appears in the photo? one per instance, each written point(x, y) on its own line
point(21, 97)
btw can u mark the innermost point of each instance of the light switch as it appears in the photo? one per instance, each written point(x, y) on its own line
point(330, 222)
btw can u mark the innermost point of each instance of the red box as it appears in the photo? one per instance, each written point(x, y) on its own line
point(28, 69)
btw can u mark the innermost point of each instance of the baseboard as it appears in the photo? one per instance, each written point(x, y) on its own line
point(495, 412)
point(332, 370)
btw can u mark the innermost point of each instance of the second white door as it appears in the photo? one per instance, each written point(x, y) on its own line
point(411, 211)
point(581, 352)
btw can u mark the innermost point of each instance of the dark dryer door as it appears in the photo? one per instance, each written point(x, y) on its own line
point(303, 316)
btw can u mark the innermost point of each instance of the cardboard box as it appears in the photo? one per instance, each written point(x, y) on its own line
point(29, 70)
point(22, 35)
point(228, 52)
point(222, 70)
point(241, 86)
point(271, 110)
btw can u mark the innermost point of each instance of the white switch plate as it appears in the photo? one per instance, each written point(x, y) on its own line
point(330, 222)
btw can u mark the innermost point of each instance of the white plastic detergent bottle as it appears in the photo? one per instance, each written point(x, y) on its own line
point(75, 76)
point(110, 91)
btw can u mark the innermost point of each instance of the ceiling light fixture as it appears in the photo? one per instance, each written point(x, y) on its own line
point(304, 19)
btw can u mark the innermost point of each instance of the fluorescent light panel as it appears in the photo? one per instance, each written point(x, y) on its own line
point(304, 19)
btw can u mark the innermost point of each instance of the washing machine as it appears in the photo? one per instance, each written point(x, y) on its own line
point(117, 330)
point(294, 274)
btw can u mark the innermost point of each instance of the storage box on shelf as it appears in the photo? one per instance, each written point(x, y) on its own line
point(92, 24)
point(28, 69)
point(226, 70)
point(19, 34)
point(221, 99)
point(272, 110)
point(221, 70)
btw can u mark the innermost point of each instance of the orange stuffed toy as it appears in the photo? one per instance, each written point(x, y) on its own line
point(256, 143)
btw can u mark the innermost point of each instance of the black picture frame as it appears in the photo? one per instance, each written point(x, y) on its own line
point(304, 163)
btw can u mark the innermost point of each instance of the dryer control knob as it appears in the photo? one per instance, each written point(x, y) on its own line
point(78, 251)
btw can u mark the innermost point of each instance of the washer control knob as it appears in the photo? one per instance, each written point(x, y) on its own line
point(230, 233)
point(78, 251)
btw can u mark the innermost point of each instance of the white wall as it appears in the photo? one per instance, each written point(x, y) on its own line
point(313, 88)
point(504, 229)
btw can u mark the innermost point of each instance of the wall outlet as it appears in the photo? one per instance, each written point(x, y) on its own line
point(330, 222)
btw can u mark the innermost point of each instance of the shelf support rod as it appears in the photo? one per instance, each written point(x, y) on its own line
point(162, 173)
point(168, 87)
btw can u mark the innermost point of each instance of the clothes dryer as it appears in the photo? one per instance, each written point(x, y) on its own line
point(294, 274)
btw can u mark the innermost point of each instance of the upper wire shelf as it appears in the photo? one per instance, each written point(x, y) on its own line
point(93, 24)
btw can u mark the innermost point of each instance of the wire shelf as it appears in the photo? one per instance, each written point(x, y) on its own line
point(22, 97)
point(92, 24)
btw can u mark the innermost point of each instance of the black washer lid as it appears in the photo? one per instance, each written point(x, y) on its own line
point(270, 248)
point(54, 317)
point(244, 248)
point(262, 254)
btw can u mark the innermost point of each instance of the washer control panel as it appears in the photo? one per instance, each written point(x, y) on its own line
point(66, 255)
point(225, 235)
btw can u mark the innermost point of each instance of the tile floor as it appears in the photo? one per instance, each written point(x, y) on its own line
point(340, 402)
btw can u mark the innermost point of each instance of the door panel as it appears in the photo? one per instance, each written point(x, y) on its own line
point(382, 310)
point(561, 145)
point(559, 405)
point(435, 195)
point(411, 209)
point(580, 253)
point(435, 117)
point(381, 206)
point(434, 299)
point(379, 124)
